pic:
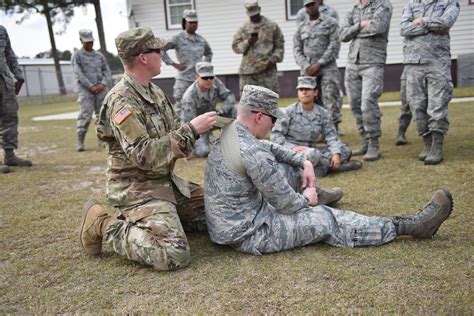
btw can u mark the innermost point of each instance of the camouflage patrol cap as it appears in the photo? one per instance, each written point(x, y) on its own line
point(306, 82)
point(86, 35)
point(190, 15)
point(308, 2)
point(134, 41)
point(252, 7)
point(205, 69)
point(260, 98)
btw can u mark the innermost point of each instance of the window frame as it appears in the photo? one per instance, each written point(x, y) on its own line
point(287, 9)
point(167, 6)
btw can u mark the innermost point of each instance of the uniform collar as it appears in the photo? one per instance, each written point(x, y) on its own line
point(308, 114)
point(141, 90)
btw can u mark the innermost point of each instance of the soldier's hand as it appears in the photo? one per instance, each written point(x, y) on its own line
point(204, 122)
point(269, 65)
point(335, 162)
point(309, 179)
point(93, 89)
point(299, 149)
point(99, 87)
point(179, 67)
point(364, 23)
point(18, 85)
point(311, 195)
point(313, 70)
point(418, 21)
point(252, 40)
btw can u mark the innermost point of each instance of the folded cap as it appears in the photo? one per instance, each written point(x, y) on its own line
point(134, 41)
point(308, 2)
point(306, 82)
point(260, 98)
point(190, 15)
point(86, 35)
point(252, 7)
point(205, 69)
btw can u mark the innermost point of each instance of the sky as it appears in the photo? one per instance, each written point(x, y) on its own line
point(31, 36)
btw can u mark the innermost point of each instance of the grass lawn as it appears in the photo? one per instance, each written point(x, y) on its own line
point(44, 270)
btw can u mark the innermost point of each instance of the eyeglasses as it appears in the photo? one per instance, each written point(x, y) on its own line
point(149, 51)
point(274, 119)
point(207, 78)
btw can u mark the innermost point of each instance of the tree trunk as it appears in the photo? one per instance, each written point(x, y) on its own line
point(54, 52)
point(100, 27)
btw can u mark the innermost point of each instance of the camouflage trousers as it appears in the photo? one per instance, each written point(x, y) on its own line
point(405, 113)
point(8, 116)
point(179, 88)
point(316, 224)
point(364, 85)
point(429, 90)
point(331, 94)
point(89, 104)
point(153, 233)
point(267, 79)
point(321, 158)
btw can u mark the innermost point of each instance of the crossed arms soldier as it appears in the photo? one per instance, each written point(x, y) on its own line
point(261, 200)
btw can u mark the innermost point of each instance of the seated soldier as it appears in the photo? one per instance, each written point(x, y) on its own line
point(201, 97)
point(304, 122)
point(251, 206)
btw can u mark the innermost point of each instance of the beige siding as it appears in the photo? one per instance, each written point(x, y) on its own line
point(219, 19)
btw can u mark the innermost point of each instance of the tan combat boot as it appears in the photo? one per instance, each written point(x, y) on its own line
point(426, 222)
point(95, 222)
point(329, 196)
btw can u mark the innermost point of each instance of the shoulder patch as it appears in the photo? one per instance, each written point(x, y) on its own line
point(121, 115)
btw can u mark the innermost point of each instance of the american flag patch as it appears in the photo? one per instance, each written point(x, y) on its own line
point(121, 116)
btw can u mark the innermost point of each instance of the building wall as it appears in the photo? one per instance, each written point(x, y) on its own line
point(218, 21)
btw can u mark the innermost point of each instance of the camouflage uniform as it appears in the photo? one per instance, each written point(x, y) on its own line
point(302, 128)
point(427, 60)
point(365, 62)
point(268, 48)
point(89, 68)
point(144, 140)
point(405, 113)
point(196, 102)
point(302, 16)
point(261, 213)
point(190, 49)
point(8, 101)
point(317, 42)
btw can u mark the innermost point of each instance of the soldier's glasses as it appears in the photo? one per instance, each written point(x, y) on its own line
point(151, 50)
point(207, 78)
point(274, 119)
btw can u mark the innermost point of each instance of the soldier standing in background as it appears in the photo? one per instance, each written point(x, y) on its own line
point(190, 49)
point(145, 139)
point(366, 25)
point(302, 16)
point(251, 207)
point(201, 97)
point(425, 26)
point(93, 80)
point(9, 104)
point(315, 47)
point(261, 43)
point(405, 113)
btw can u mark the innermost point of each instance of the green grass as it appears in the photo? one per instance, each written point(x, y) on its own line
point(44, 270)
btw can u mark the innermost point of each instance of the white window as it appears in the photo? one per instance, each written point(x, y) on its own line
point(174, 12)
point(292, 7)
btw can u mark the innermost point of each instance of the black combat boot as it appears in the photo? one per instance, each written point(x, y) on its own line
point(12, 160)
point(80, 141)
point(373, 152)
point(402, 128)
point(435, 156)
point(362, 149)
point(426, 222)
point(427, 139)
point(350, 166)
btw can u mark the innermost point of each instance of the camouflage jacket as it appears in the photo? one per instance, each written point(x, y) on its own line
point(302, 16)
point(8, 61)
point(369, 45)
point(237, 205)
point(90, 68)
point(270, 46)
point(428, 42)
point(196, 102)
point(144, 141)
point(190, 49)
point(316, 42)
point(303, 128)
